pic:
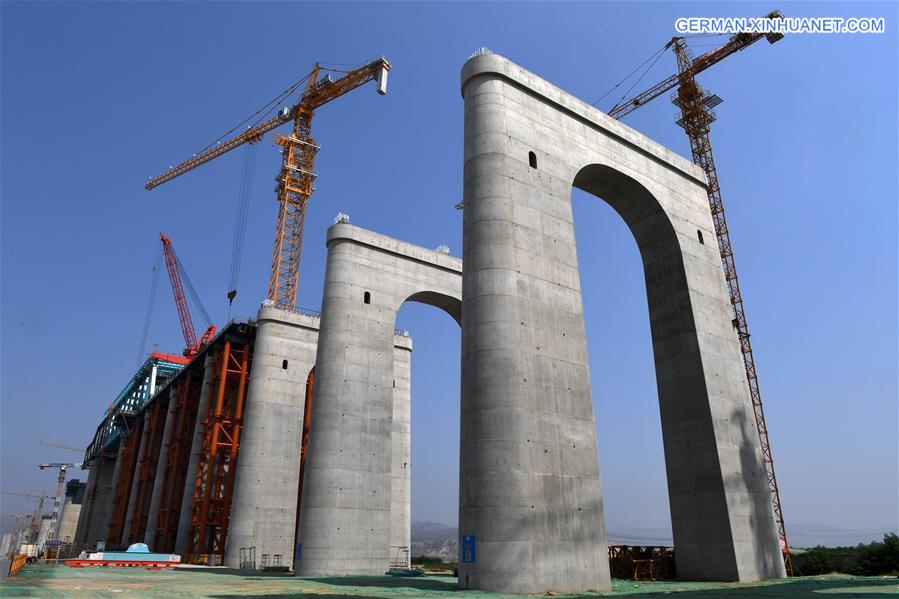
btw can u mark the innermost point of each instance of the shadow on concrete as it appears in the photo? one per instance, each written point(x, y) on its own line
point(246, 574)
point(294, 595)
point(392, 582)
point(795, 588)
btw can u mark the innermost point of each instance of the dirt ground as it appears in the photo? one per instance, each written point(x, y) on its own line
point(221, 583)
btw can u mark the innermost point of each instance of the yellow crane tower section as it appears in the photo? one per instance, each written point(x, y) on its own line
point(295, 181)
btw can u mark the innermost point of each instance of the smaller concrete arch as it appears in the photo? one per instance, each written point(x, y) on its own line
point(450, 305)
point(351, 513)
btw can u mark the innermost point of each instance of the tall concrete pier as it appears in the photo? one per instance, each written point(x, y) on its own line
point(530, 500)
point(264, 507)
point(346, 519)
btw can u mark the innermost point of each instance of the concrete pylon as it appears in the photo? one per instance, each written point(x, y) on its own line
point(190, 477)
point(107, 492)
point(264, 504)
point(135, 480)
point(156, 496)
point(401, 460)
point(531, 517)
point(346, 520)
point(89, 504)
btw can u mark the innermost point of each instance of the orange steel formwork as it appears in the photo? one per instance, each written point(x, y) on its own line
point(221, 444)
point(130, 447)
point(155, 423)
point(187, 399)
point(304, 442)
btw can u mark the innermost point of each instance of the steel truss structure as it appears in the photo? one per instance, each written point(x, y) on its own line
point(187, 398)
point(154, 423)
point(218, 455)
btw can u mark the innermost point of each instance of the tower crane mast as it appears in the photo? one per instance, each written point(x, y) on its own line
point(696, 109)
point(297, 175)
point(60, 487)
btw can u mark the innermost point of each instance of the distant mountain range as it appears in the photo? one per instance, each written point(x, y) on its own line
point(441, 540)
point(434, 539)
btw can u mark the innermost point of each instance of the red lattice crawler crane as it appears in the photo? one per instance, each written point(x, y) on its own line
point(176, 270)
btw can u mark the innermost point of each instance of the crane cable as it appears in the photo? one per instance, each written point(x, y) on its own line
point(640, 78)
point(655, 56)
point(240, 220)
point(154, 283)
point(260, 114)
point(198, 305)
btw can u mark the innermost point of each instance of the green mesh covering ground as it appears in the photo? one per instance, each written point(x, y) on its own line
point(220, 583)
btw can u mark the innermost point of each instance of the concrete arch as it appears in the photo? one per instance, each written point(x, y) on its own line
point(530, 497)
point(352, 510)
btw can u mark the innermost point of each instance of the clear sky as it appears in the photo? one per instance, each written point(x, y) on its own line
point(96, 97)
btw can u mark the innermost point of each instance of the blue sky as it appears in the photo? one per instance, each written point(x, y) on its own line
point(96, 97)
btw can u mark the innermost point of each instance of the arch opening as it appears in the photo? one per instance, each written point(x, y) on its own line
point(622, 376)
point(426, 425)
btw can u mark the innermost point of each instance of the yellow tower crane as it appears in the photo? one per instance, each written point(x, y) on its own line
point(298, 160)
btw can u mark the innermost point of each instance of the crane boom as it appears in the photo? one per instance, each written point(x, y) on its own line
point(171, 264)
point(296, 177)
point(249, 135)
point(696, 117)
point(314, 97)
point(736, 43)
point(191, 344)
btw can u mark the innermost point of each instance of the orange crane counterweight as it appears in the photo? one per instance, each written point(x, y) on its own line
point(297, 164)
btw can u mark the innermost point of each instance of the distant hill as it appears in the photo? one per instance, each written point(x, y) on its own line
point(436, 540)
point(442, 540)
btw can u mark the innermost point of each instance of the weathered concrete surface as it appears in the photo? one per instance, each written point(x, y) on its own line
point(89, 509)
point(135, 481)
point(530, 491)
point(109, 492)
point(401, 460)
point(190, 477)
point(156, 496)
point(264, 504)
point(263, 512)
point(96, 510)
point(68, 520)
point(345, 522)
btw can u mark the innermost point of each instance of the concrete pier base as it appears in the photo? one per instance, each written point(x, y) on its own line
point(93, 521)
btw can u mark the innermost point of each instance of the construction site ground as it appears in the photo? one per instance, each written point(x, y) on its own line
point(221, 583)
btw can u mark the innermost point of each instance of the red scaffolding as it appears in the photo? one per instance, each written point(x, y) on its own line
point(218, 456)
point(155, 425)
point(187, 399)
